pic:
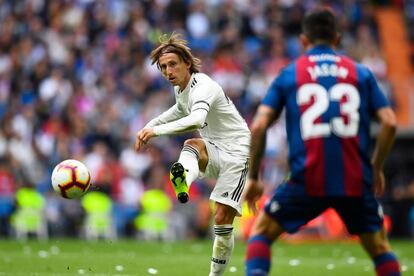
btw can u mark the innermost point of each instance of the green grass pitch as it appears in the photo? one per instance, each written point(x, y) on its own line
point(134, 257)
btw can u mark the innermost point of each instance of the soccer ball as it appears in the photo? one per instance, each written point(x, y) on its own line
point(71, 179)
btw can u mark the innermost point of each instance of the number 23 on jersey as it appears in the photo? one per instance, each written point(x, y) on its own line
point(310, 128)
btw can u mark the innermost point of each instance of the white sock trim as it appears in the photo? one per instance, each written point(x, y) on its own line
point(223, 229)
point(192, 150)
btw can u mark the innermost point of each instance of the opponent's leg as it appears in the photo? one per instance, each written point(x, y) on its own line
point(183, 172)
point(224, 238)
point(258, 255)
point(379, 249)
point(361, 216)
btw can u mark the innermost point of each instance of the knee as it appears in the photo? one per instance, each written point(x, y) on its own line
point(224, 215)
point(199, 144)
point(378, 248)
point(220, 218)
point(375, 243)
point(194, 142)
point(267, 227)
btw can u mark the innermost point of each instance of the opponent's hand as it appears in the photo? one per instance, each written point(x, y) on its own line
point(142, 137)
point(253, 192)
point(379, 182)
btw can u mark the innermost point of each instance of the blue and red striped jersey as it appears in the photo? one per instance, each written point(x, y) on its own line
point(330, 101)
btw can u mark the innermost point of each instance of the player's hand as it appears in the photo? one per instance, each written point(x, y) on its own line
point(142, 137)
point(379, 182)
point(253, 192)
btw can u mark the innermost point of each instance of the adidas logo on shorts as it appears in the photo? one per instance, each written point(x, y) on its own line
point(226, 194)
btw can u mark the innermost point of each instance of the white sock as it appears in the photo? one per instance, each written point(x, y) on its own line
point(189, 159)
point(222, 248)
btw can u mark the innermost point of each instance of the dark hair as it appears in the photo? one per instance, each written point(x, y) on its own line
point(319, 25)
point(175, 44)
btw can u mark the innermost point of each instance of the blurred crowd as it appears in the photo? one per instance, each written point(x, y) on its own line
point(76, 83)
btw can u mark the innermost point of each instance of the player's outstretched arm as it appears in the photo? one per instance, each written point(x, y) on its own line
point(146, 133)
point(385, 140)
point(186, 124)
point(172, 114)
point(264, 118)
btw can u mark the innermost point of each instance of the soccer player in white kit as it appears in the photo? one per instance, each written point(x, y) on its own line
point(221, 152)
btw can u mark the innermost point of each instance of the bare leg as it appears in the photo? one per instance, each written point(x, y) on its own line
point(266, 226)
point(264, 232)
point(378, 248)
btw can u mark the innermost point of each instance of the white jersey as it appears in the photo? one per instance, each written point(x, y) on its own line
point(204, 105)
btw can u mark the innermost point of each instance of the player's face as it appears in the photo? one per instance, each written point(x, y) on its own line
point(175, 70)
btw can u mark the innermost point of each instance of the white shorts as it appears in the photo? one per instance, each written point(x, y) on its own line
point(230, 171)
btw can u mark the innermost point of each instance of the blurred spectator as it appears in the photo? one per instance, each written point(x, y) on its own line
point(29, 216)
point(98, 222)
point(8, 188)
point(153, 222)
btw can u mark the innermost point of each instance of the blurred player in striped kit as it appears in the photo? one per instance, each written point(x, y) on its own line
point(221, 152)
point(330, 101)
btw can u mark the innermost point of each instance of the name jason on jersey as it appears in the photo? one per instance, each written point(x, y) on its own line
point(327, 70)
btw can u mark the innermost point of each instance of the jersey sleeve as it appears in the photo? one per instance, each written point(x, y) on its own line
point(274, 96)
point(377, 97)
point(172, 114)
point(200, 101)
point(202, 97)
point(188, 123)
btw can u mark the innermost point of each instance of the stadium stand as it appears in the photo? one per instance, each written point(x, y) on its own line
point(396, 49)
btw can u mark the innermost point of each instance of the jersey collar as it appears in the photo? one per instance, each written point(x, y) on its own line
point(187, 88)
point(321, 48)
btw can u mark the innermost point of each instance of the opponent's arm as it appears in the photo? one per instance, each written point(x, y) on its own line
point(264, 118)
point(385, 140)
